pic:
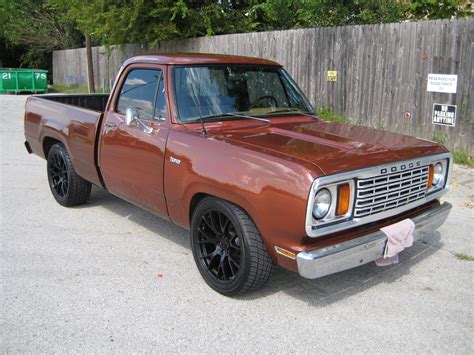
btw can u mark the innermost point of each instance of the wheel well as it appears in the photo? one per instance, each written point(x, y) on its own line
point(194, 202)
point(48, 142)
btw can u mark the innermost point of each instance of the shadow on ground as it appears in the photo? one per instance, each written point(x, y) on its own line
point(319, 292)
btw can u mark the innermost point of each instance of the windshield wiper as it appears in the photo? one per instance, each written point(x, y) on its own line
point(234, 114)
point(293, 111)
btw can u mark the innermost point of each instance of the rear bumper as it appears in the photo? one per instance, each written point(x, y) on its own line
point(362, 250)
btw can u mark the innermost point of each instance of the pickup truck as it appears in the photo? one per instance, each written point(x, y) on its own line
point(230, 148)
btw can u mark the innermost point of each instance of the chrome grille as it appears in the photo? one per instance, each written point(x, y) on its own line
point(384, 192)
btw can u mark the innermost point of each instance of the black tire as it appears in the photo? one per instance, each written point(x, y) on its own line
point(227, 248)
point(68, 188)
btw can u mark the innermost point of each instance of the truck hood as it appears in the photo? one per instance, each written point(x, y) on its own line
point(335, 147)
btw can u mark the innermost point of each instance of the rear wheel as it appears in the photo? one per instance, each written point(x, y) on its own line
point(227, 248)
point(68, 188)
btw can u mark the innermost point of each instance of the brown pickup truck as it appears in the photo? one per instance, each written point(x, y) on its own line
point(229, 148)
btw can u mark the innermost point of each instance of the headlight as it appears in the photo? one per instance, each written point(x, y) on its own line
point(322, 203)
point(438, 174)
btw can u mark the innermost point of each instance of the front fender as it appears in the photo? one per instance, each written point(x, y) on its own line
point(271, 189)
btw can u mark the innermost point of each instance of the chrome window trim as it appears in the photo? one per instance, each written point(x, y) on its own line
point(328, 227)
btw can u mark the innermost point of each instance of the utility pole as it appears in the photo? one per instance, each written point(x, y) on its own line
point(90, 68)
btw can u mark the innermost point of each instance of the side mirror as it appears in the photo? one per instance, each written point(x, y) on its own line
point(131, 116)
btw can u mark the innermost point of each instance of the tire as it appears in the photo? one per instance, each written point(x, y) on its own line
point(228, 249)
point(68, 188)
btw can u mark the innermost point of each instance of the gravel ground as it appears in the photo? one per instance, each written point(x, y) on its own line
point(86, 280)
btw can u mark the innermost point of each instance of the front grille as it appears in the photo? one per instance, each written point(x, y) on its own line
point(385, 192)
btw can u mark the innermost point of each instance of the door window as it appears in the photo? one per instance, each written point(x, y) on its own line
point(141, 91)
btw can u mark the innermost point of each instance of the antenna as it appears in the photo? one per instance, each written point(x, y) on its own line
point(203, 128)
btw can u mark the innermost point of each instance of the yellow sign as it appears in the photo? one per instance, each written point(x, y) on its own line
point(332, 75)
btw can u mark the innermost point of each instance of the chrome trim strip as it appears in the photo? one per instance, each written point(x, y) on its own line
point(362, 250)
point(313, 229)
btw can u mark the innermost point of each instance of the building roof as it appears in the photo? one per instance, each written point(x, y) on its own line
point(197, 58)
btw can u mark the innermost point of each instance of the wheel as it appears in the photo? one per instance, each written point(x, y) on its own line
point(68, 188)
point(227, 248)
point(262, 98)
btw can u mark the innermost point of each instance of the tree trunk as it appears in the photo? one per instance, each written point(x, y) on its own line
point(90, 68)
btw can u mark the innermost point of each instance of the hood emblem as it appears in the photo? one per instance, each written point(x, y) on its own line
point(401, 167)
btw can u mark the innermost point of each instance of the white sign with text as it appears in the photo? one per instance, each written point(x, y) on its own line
point(442, 83)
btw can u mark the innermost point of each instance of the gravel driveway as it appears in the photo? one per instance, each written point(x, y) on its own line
point(109, 277)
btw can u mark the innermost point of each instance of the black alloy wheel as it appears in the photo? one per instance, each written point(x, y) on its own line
point(68, 188)
point(219, 246)
point(227, 248)
point(59, 177)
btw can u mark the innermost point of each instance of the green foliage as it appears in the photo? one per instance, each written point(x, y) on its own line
point(438, 9)
point(464, 257)
point(462, 157)
point(439, 138)
point(327, 115)
point(282, 14)
point(380, 126)
point(74, 89)
point(150, 21)
point(69, 89)
point(38, 27)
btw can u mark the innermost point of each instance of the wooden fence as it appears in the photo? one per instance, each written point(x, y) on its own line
point(382, 70)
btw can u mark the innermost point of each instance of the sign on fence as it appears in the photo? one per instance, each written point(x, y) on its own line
point(444, 115)
point(332, 75)
point(442, 83)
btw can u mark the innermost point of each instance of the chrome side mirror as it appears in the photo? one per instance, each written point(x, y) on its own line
point(132, 119)
point(131, 116)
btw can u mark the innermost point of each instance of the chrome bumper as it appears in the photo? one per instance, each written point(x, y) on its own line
point(362, 250)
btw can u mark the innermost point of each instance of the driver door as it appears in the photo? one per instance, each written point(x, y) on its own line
point(131, 157)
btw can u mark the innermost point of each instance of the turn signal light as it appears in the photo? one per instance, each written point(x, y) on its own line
point(285, 252)
point(343, 199)
point(430, 177)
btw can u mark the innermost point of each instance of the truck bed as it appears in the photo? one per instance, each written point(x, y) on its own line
point(70, 119)
point(96, 102)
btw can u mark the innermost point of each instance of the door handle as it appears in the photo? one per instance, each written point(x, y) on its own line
point(110, 125)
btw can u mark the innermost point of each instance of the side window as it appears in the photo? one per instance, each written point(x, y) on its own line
point(160, 105)
point(139, 91)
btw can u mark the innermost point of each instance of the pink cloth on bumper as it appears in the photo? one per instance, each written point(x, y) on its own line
point(399, 237)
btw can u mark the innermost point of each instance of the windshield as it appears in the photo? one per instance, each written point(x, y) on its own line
point(205, 91)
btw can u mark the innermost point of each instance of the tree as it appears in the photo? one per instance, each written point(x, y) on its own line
point(38, 27)
point(438, 9)
point(114, 22)
point(282, 14)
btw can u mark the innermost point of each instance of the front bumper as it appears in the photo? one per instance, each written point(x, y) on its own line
point(362, 250)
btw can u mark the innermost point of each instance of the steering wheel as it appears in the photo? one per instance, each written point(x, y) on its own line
point(265, 97)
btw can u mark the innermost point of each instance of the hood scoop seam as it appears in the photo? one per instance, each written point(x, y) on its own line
point(311, 139)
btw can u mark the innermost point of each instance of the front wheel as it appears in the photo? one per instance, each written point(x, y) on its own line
point(227, 248)
point(68, 188)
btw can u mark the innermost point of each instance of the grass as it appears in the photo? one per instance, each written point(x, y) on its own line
point(327, 115)
point(69, 89)
point(72, 89)
point(462, 157)
point(439, 138)
point(464, 257)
